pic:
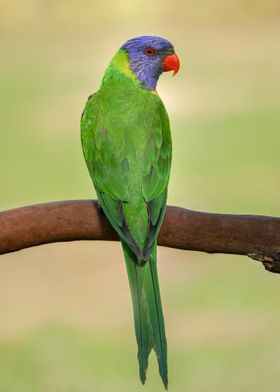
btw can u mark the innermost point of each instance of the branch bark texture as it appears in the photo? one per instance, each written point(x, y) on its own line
point(254, 236)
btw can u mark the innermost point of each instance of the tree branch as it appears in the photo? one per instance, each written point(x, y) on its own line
point(255, 236)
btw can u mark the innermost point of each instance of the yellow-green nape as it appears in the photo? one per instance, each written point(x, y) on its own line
point(120, 63)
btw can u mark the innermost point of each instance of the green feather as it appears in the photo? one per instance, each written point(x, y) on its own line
point(148, 316)
point(127, 147)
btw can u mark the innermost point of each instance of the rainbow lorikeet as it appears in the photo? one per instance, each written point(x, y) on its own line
point(127, 147)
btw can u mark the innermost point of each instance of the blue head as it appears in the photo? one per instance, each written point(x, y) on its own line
point(149, 56)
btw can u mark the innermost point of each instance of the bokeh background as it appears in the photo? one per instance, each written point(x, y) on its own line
point(65, 311)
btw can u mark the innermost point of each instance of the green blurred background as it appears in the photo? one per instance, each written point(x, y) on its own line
point(66, 317)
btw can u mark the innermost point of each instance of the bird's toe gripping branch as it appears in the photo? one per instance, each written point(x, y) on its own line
point(271, 263)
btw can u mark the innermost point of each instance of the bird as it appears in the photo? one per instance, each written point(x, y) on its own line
point(126, 142)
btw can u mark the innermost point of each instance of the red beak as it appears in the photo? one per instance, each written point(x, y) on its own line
point(171, 63)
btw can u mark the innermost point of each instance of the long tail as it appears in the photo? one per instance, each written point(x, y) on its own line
point(148, 316)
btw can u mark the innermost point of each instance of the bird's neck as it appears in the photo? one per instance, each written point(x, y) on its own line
point(120, 66)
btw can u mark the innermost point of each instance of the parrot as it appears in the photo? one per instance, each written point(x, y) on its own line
point(126, 143)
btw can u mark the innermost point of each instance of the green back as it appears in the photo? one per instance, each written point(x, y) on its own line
point(127, 146)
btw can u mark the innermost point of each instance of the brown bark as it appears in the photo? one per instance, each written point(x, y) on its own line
point(254, 236)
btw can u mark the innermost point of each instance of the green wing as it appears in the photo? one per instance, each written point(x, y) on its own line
point(127, 146)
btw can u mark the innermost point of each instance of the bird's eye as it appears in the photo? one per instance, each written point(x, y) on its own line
point(149, 51)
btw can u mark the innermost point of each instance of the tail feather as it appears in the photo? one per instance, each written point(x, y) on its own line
point(148, 316)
